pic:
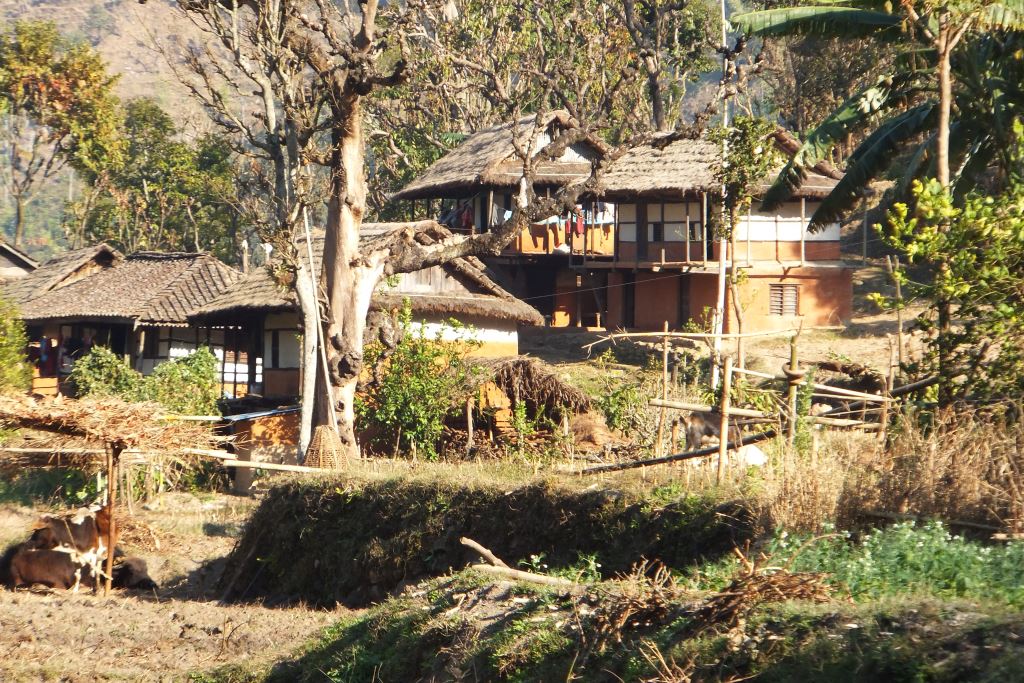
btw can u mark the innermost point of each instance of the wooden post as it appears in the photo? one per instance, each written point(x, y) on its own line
point(723, 439)
point(113, 457)
point(794, 366)
point(803, 229)
point(469, 424)
point(675, 436)
point(664, 390)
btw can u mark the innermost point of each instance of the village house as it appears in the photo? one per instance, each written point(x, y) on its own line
point(137, 306)
point(666, 263)
point(471, 189)
point(638, 253)
point(14, 263)
point(266, 314)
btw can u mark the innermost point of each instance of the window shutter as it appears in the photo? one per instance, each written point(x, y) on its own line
point(784, 299)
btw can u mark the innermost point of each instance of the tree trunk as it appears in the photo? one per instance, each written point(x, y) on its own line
point(654, 93)
point(19, 220)
point(945, 104)
point(310, 363)
point(349, 277)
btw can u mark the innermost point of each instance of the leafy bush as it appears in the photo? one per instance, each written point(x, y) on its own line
point(101, 372)
point(188, 385)
point(15, 372)
point(423, 380)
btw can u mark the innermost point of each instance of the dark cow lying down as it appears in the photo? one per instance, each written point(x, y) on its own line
point(22, 565)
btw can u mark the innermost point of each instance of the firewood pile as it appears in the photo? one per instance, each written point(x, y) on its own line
point(107, 422)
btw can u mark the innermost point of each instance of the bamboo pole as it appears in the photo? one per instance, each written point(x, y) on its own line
point(691, 335)
point(705, 408)
point(723, 439)
point(664, 391)
point(676, 457)
point(891, 266)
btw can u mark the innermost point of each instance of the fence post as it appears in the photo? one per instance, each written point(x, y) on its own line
point(723, 438)
point(664, 391)
point(794, 374)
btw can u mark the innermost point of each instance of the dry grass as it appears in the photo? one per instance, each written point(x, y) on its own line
point(964, 466)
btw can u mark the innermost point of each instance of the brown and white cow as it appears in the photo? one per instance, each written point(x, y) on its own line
point(81, 537)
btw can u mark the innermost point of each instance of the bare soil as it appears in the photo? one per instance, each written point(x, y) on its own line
point(146, 636)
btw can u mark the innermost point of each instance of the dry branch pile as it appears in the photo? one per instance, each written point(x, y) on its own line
point(756, 586)
point(107, 421)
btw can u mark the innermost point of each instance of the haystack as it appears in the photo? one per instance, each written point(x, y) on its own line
point(535, 383)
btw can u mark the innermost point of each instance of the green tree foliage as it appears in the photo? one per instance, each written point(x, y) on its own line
point(162, 192)
point(750, 157)
point(423, 380)
point(186, 386)
point(56, 106)
point(975, 252)
point(15, 372)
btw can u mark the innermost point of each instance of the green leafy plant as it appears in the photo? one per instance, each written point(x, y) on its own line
point(975, 252)
point(15, 372)
point(101, 372)
point(187, 386)
point(423, 381)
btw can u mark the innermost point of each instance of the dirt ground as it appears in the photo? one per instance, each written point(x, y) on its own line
point(142, 636)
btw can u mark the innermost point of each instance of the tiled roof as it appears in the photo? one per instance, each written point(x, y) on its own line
point(50, 275)
point(146, 288)
point(257, 291)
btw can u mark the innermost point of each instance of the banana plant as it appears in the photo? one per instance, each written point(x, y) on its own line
point(964, 54)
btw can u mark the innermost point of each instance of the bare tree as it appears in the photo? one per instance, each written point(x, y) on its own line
point(288, 79)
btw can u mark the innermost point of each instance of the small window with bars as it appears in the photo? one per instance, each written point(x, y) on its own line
point(783, 299)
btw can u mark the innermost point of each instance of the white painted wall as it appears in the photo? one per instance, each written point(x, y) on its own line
point(784, 225)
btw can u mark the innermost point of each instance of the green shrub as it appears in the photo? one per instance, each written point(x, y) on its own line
point(101, 372)
point(906, 558)
point(188, 386)
point(420, 385)
point(15, 372)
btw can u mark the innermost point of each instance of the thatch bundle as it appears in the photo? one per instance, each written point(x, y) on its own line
point(107, 421)
point(534, 382)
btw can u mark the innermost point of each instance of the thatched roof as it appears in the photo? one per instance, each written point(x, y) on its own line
point(147, 288)
point(473, 292)
point(61, 269)
point(486, 159)
point(671, 168)
point(18, 256)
